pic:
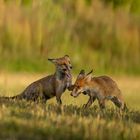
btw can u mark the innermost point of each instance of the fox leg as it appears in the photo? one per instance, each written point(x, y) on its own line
point(43, 100)
point(58, 99)
point(93, 99)
point(39, 95)
point(90, 101)
point(101, 103)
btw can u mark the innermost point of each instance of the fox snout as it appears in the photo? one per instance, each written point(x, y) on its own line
point(73, 95)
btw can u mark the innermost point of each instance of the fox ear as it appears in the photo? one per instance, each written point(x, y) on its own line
point(67, 56)
point(89, 76)
point(81, 74)
point(89, 72)
point(52, 60)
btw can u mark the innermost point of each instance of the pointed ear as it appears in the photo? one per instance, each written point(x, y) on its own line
point(81, 74)
point(67, 56)
point(53, 60)
point(89, 76)
point(89, 72)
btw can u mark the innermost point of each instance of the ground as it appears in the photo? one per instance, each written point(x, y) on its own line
point(25, 120)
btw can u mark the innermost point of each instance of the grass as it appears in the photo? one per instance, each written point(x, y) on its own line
point(26, 120)
point(23, 120)
point(101, 33)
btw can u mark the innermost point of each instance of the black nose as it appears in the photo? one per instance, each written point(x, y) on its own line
point(71, 94)
point(71, 67)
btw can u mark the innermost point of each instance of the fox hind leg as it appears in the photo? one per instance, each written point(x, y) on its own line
point(102, 103)
point(119, 103)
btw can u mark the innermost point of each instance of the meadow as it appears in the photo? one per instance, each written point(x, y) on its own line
point(99, 33)
point(27, 120)
point(103, 35)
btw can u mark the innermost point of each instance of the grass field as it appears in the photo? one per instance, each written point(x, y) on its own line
point(100, 34)
point(24, 120)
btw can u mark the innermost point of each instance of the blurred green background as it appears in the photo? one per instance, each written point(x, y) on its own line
point(99, 34)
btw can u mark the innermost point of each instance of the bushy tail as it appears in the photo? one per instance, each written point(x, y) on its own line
point(4, 98)
point(11, 98)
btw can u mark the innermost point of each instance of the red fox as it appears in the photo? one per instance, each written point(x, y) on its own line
point(101, 88)
point(49, 86)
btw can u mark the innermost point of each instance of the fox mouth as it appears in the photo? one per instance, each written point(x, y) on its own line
point(74, 95)
point(68, 74)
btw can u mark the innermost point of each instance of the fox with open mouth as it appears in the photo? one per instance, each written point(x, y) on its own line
point(51, 85)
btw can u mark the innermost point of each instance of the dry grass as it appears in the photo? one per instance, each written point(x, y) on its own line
point(12, 84)
point(25, 120)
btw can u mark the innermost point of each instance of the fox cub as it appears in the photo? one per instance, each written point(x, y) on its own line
point(101, 88)
point(49, 86)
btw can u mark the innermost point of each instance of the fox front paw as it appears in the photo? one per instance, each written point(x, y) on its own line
point(84, 106)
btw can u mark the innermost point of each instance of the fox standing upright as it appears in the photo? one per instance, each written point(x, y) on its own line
point(101, 88)
point(49, 86)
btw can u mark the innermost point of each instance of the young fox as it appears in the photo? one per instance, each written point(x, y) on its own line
point(101, 88)
point(49, 86)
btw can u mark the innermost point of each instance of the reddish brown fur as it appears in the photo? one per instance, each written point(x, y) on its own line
point(101, 88)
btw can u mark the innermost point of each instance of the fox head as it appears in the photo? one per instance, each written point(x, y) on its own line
point(81, 83)
point(62, 64)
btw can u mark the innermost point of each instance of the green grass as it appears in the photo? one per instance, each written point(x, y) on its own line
point(104, 34)
point(20, 120)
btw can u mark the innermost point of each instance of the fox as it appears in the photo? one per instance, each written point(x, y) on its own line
point(101, 88)
point(50, 86)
